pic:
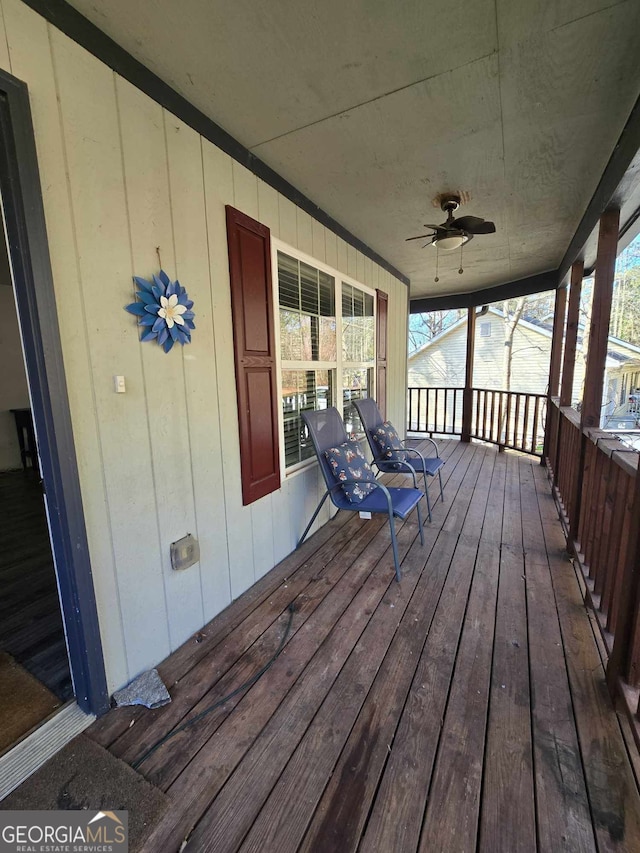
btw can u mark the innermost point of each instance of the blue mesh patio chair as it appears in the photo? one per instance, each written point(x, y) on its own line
point(391, 455)
point(351, 484)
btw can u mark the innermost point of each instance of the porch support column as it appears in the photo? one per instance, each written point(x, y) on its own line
point(597, 355)
point(467, 394)
point(556, 356)
point(571, 335)
point(600, 315)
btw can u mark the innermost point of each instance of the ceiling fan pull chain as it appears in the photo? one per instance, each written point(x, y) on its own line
point(461, 270)
point(436, 279)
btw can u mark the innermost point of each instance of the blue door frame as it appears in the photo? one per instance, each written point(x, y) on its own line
point(29, 254)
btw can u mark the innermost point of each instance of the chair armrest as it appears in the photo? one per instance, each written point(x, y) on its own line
point(400, 463)
point(413, 450)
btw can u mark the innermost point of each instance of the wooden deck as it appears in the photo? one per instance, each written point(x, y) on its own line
point(463, 709)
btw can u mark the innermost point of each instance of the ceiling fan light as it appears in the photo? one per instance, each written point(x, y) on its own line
point(453, 241)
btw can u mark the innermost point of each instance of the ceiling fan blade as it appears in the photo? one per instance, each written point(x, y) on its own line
point(419, 237)
point(467, 223)
point(435, 227)
point(474, 225)
point(487, 227)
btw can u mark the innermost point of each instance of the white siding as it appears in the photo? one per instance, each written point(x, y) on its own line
point(120, 177)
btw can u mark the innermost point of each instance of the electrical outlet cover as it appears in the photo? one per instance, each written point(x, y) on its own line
point(185, 552)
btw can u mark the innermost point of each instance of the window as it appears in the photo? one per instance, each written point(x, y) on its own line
point(327, 349)
point(485, 330)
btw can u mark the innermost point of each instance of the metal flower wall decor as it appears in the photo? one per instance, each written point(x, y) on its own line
point(163, 310)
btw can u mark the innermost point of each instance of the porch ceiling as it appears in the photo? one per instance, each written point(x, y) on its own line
point(372, 108)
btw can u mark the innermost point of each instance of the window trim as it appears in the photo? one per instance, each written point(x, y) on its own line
point(340, 277)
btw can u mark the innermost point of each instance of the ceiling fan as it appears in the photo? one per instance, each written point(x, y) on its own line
point(454, 233)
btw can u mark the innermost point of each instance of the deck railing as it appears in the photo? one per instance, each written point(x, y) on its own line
point(507, 418)
point(595, 480)
point(435, 410)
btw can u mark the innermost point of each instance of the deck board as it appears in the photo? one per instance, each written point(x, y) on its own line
point(461, 709)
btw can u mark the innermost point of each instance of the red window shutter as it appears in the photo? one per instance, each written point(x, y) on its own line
point(254, 349)
point(382, 307)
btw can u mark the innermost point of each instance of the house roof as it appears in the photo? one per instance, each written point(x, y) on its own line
point(373, 109)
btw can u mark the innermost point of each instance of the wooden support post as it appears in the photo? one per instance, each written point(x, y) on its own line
point(621, 663)
point(598, 344)
point(467, 394)
point(571, 335)
point(600, 315)
point(556, 342)
point(554, 364)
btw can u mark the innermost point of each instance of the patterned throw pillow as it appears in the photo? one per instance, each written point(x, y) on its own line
point(390, 446)
point(348, 463)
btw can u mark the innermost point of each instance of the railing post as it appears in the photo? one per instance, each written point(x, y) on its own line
point(554, 364)
point(620, 661)
point(571, 334)
point(569, 356)
point(467, 394)
point(600, 316)
point(598, 344)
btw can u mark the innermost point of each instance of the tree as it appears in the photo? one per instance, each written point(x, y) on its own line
point(536, 307)
point(625, 307)
point(512, 310)
point(424, 327)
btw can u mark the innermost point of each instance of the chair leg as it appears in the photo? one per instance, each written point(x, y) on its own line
point(420, 524)
point(440, 478)
point(313, 518)
point(426, 494)
point(394, 546)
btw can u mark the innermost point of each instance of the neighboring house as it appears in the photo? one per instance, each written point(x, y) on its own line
point(441, 362)
point(630, 382)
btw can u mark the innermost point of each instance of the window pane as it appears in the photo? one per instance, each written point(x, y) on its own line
point(302, 390)
point(290, 335)
point(356, 386)
point(358, 330)
point(368, 305)
point(307, 339)
point(358, 303)
point(327, 350)
point(308, 289)
point(327, 286)
point(288, 282)
point(368, 342)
